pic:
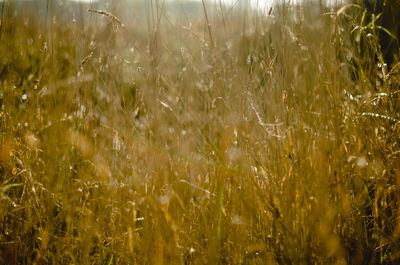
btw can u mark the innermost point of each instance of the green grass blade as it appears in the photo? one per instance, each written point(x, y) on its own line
point(9, 186)
point(387, 32)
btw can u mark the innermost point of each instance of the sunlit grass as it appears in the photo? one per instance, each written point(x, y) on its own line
point(238, 138)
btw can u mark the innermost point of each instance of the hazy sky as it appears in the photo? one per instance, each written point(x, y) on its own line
point(255, 3)
point(262, 4)
point(259, 4)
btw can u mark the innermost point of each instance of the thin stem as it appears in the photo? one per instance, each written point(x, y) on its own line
point(208, 23)
point(1, 21)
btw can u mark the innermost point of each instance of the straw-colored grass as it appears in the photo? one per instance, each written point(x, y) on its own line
point(235, 138)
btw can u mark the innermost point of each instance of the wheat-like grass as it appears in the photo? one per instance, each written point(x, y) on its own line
point(109, 15)
point(276, 141)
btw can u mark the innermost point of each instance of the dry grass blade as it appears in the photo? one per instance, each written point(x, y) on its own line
point(1, 18)
point(377, 115)
point(109, 15)
point(341, 10)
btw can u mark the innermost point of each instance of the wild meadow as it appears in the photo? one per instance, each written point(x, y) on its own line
point(232, 137)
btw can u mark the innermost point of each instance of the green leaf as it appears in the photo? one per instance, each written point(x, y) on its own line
point(9, 186)
point(110, 262)
point(5, 197)
point(387, 32)
point(363, 16)
point(372, 23)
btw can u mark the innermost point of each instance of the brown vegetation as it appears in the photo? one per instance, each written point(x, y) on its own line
point(277, 143)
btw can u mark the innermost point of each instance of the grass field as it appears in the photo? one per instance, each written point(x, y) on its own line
point(234, 138)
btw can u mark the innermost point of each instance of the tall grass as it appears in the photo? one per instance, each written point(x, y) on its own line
point(235, 138)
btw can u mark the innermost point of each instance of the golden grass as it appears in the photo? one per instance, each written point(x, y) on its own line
point(236, 139)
